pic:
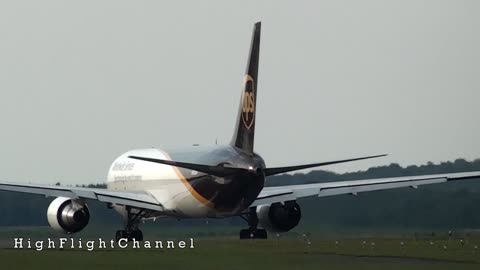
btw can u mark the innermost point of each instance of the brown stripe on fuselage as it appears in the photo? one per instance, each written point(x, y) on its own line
point(195, 194)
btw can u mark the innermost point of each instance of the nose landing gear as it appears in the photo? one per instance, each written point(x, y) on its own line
point(252, 232)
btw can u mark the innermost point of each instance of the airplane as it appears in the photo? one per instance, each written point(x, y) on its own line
point(218, 181)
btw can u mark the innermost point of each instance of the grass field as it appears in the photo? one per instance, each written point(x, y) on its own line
point(287, 252)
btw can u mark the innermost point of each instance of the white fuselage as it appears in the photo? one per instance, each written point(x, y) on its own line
point(165, 183)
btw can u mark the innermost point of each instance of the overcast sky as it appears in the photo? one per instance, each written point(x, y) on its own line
point(81, 82)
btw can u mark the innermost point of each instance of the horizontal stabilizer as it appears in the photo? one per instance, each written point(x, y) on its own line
point(222, 171)
point(218, 170)
point(278, 170)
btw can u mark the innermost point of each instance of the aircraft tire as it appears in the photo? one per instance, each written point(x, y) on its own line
point(250, 234)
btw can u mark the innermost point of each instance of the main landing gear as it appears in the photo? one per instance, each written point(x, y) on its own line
point(252, 232)
point(132, 220)
point(130, 235)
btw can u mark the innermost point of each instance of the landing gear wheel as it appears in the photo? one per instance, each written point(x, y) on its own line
point(253, 234)
point(136, 235)
point(120, 235)
point(260, 234)
point(132, 220)
point(245, 234)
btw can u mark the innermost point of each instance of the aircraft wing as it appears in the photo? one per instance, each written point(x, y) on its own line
point(141, 200)
point(287, 193)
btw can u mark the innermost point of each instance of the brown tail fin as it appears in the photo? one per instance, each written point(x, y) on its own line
point(245, 128)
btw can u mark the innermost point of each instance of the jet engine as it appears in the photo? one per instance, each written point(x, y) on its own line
point(68, 215)
point(279, 217)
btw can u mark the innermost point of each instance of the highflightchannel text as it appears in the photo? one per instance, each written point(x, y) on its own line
point(99, 244)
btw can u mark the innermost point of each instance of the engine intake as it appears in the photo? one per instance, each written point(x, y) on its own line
point(279, 217)
point(67, 215)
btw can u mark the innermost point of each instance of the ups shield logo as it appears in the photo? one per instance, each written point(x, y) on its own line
point(248, 103)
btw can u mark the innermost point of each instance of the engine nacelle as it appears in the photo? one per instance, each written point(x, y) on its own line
point(68, 215)
point(279, 217)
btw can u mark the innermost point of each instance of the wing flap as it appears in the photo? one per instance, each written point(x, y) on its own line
point(141, 200)
point(133, 203)
point(373, 187)
point(53, 191)
point(286, 193)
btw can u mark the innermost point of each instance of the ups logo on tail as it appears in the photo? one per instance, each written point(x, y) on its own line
point(248, 104)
